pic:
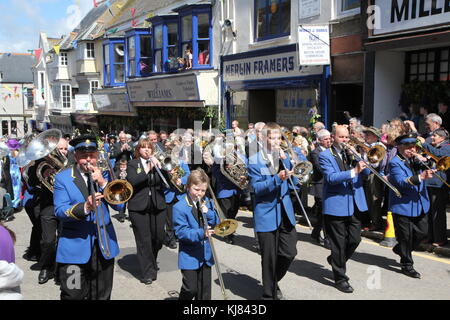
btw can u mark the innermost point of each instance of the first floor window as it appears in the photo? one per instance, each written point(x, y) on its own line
point(63, 58)
point(66, 96)
point(272, 18)
point(94, 86)
point(90, 50)
point(5, 128)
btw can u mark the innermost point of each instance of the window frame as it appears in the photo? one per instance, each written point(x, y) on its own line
point(91, 86)
point(87, 50)
point(194, 11)
point(108, 46)
point(339, 13)
point(136, 34)
point(163, 21)
point(63, 98)
point(255, 24)
point(436, 72)
point(63, 59)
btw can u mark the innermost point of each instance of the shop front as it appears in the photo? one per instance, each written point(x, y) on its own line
point(269, 85)
point(408, 59)
point(61, 122)
point(114, 112)
point(85, 121)
point(175, 101)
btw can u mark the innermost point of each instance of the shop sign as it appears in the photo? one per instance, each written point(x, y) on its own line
point(178, 88)
point(314, 45)
point(402, 15)
point(111, 101)
point(308, 8)
point(273, 66)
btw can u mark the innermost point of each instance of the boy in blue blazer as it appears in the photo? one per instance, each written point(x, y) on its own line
point(273, 212)
point(195, 258)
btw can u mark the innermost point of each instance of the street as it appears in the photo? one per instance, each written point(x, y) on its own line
point(374, 270)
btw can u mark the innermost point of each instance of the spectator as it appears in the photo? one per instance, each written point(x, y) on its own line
point(10, 275)
point(444, 114)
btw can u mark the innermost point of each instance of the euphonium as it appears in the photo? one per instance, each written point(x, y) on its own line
point(175, 172)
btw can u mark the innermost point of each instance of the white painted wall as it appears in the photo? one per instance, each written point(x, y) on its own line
point(389, 76)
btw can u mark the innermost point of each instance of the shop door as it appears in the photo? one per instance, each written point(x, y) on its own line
point(347, 97)
point(262, 106)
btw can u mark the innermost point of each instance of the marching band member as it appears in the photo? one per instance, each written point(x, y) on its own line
point(81, 250)
point(343, 200)
point(273, 212)
point(195, 258)
point(409, 211)
point(121, 173)
point(49, 222)
point(147, 207)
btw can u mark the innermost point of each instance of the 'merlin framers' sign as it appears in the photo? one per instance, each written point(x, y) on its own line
point(177, 88)
point(403, 15)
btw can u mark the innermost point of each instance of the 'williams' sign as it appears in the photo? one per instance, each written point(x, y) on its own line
point(403, 15)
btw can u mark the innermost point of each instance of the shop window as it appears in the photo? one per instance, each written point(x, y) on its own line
point(420, 65)
point(272, 19)
point(196, 36)
point(5, 128)
point(14, 127)
point(66, 94)
point(114, 62)
point(139, 53)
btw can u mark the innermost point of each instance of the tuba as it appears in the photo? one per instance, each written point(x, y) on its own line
point(233, 167)
point(45, 146)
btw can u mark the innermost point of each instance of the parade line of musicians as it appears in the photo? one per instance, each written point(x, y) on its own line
point(72, 227)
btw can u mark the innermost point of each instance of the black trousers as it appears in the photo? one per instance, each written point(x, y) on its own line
point(90, 281)
point(409, 231)
point(196, 284)
point(344, 234)
point(170, 233)
point(374, 191)
point(278, 250)
point(318, 225)
point(148, 229)
point(437, 217)
point(49, 224)
point(230, 206)
point(36, 229)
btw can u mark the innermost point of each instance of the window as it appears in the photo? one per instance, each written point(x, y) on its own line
point(90, 50)
point(63, 58)
point(14, 127)
point(139, 53)
point(347, 7)
point(196, 36)
point(93, 84)
point(165, 43)
point(30, 98)
point(66, 94)
point(5, 128)
point(41, 85)
point(1, 76)
point(114, 59)
point(272, 18)
point(428, 65)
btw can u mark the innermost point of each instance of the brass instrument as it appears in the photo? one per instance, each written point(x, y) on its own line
point(175, 172)
point(302, 169)
point(233, 167)
point(442, 163)
point(358, 158)
point(374, 154)
point(118, 190)
point(45, 146)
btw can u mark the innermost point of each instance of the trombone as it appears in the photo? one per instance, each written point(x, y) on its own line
point(374, 154)
point(103, 242)
point(358, 158)
point(442, 163)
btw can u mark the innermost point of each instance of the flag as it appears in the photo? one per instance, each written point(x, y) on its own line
point(95, 4)
point(56, 48)
point(133, 11)
point(38, 53)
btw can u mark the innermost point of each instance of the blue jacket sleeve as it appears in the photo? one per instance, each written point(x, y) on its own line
point(183, 230)
point(331, 176)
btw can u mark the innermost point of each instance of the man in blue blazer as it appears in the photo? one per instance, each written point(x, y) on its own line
point(343, 202)
point(409, 211)
point(273, 212)
point(86, 258)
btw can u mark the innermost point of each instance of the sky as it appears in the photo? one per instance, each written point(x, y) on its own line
point(21, 21)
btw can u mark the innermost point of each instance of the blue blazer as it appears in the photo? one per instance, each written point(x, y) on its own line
point(339, 188)
point(269, 188)
point(79, 230)
point(170, 194)
point(194, 248)
point(414, 198)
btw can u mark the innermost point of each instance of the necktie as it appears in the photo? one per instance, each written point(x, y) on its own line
point(200, 215)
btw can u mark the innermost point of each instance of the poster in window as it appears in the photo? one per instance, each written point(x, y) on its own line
point(293, 106)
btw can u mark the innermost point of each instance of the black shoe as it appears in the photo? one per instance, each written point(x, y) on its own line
point(329, 260)
point(410, 272)
point(344, 286)
point(45, 275)
point(396, 249)
point(317, 239)
point(147, 281)
point(30, 256)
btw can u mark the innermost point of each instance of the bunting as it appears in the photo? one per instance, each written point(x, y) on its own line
point(95, 4)
point(37, 53)
point(56, 48)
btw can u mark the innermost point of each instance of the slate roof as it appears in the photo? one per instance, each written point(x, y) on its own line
point(16, 68)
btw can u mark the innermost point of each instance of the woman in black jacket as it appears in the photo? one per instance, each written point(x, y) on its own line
point(147, 207)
